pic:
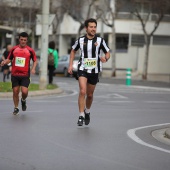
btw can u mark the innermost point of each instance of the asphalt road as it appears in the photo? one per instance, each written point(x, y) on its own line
point(119, 137)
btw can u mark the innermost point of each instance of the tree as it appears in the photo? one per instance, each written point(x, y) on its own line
point(79, 10)
point(160, 8)
point(106, 11)
point(19, 15)
point(56, 8)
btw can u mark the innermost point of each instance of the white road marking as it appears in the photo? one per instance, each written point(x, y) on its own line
point(157, 102)
point(132, 135)
point(114, 95)
point(120, 96)
point(152, 88)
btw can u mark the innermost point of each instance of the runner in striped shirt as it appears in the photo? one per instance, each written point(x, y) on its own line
point(89, 66)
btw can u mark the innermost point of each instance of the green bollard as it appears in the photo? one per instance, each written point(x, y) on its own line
point(128, 77)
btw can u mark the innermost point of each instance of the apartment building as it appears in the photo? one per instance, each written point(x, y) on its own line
point(130, 44)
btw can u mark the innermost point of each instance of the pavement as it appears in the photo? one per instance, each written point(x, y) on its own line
point(162, 135)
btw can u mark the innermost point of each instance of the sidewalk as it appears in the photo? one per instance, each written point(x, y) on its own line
point(136, 82)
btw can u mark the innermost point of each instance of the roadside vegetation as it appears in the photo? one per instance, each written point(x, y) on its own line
point(7, 87)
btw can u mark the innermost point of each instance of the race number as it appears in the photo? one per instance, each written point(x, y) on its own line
point(20, 61)
point(90, 63)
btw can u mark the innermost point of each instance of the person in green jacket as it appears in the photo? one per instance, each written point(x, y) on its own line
point(53, 65)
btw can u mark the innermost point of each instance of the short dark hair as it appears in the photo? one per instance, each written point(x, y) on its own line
point(90, 20)
point(51, 45)
point(23, 34)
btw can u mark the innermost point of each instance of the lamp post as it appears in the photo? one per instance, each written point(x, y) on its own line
point(44, 45)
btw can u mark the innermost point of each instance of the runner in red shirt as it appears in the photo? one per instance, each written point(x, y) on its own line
point(20, 56)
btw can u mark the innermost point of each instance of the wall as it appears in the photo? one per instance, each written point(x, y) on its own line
point(159, 60)
point(158, 65)
point(63, 45)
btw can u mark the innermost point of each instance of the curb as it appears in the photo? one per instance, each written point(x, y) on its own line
point(167, 133)
point(34, 93)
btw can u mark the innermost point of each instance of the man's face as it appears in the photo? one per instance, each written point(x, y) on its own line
point(23, 41)
point(91, 29)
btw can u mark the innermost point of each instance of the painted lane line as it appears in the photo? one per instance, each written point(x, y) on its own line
point(151, 88)
point(120, 96)
point(157, 102)
point(114, 95)
point(132, 135)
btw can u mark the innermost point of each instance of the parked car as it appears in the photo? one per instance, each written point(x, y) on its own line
point(37, 69)
point(63, 64)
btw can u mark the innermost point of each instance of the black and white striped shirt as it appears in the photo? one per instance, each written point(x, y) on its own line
point(90, 53)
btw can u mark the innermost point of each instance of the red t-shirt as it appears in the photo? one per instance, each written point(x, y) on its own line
point(21, 58)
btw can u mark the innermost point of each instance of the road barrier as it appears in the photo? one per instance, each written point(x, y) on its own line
point(128, 77)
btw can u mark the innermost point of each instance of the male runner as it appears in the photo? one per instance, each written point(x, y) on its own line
point(20, 56)
point(89, 67)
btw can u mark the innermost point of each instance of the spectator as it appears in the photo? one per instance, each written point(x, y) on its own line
point(51, 68)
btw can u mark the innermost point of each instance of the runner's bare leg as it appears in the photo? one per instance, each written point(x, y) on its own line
point(16, 95)
point(89, 98)
point(82, 93)
point(24, 91)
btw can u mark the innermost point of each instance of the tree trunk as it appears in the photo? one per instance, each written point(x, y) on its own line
point(146, 58)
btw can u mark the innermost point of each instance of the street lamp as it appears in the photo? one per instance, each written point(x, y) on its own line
point(44, 45)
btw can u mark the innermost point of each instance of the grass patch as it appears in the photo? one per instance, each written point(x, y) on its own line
point(33, 87)
point(52, 86)
point(7, 87)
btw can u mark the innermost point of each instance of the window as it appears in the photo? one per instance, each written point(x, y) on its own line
point(122, 42)
point(161, 40)
point(138, 40)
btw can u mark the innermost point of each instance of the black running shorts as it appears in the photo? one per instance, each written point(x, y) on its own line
point(92, 78)
point(20, 81)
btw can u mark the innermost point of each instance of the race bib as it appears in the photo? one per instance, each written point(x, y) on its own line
point(20, 61)
point(90, 63)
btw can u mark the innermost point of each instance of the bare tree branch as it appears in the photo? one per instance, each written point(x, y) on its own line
point(160, 7)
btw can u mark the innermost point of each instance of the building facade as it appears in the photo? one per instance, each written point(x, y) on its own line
point(130, 44)
point(129, 41)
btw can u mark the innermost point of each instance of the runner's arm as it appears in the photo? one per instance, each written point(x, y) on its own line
point(5, 62)
point(105, 58)
point(33, 67)
point(72, 55)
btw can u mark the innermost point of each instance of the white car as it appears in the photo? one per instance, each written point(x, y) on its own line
point(63, 64)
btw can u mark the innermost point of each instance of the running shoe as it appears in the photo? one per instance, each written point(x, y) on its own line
point(80, 121)
point(16, 111)
point(87, 118)
point(24, 106)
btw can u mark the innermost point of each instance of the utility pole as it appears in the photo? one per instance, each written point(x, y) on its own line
point(113, 53)
point(44, 45)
